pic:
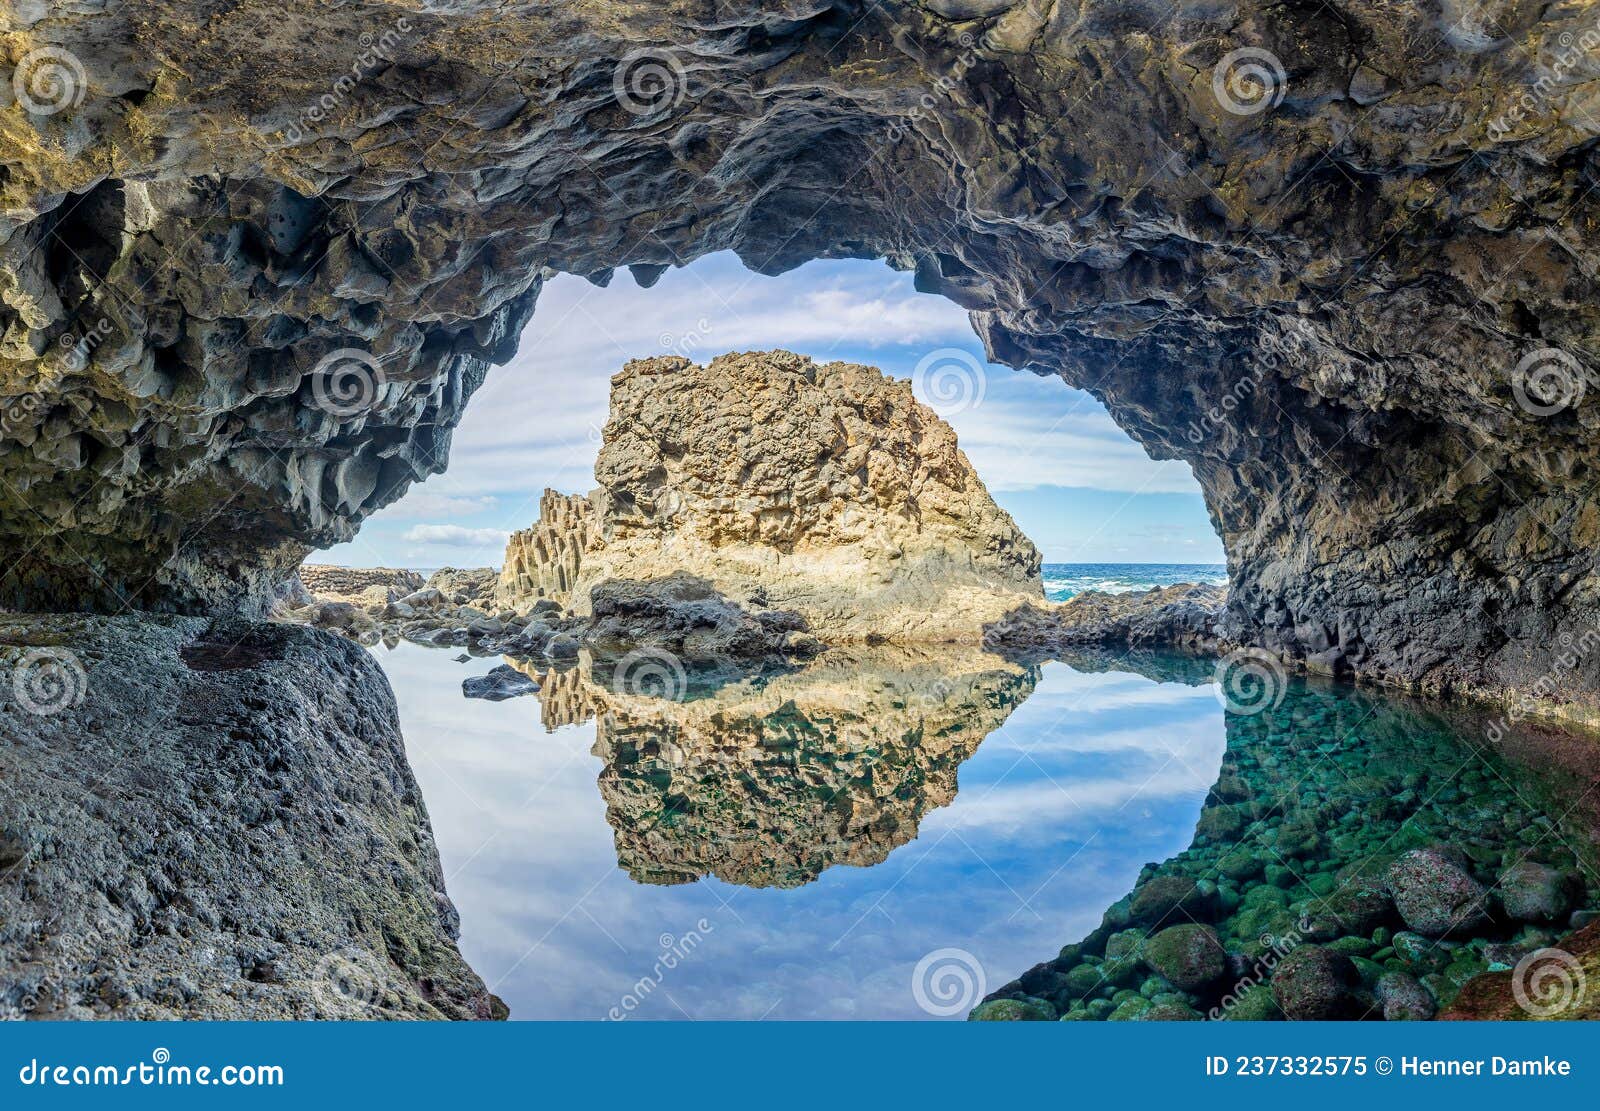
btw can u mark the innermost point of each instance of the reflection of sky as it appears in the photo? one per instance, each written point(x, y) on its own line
point(1091, 778)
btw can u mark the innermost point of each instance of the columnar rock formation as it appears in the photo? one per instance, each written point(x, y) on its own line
point(544, 561)
point(827, 491)
point(767, 784)
point(1334, 256)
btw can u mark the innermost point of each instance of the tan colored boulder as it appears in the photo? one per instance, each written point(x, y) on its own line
point(825, 490)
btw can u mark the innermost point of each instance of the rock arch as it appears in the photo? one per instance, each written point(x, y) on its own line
point(1304, 248)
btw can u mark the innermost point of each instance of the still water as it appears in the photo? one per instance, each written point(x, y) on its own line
point(809, 845)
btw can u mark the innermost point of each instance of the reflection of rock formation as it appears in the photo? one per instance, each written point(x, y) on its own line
point(829, 491)
point(1344, 831)
point(768, 783)
point(213, 822)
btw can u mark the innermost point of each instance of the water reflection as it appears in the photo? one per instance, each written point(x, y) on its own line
point(1068, 782)
point(1359, 856)
point(768, 781)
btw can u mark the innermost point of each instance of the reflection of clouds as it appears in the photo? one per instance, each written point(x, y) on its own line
point(1071, 809)
point(531, 865)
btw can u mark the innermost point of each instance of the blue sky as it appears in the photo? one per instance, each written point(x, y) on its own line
point(1049, 454)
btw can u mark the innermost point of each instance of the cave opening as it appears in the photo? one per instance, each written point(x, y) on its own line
point(1049, 453)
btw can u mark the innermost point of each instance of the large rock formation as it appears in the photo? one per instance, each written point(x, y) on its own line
point(826, 491)
point(767, 783)
point(213, 820)
point(255, 256)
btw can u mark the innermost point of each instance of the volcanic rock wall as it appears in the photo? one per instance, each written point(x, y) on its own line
point(255, 257)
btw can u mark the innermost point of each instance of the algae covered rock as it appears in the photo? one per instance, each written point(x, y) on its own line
point(1189, 957)
point(1532, 892)
point(1435, 894)
point(1013, 1010)
point(1316, 983)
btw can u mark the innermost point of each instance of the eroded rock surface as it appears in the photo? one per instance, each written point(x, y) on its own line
point(1334, 256)
point(767, 783)
point(827, 491)
point(213, 820)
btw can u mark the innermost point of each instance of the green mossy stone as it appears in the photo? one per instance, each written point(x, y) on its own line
point(1155, 986)
point(1266, 896)
point(1084, 979)
point(1124, 944)
point(1190, 957)
point(1254, 1004)
point(1219, 823)
point(1169, 1012)
point(1014, 1010)
point(1351, 946)
point(1129, 1010)
point(1371, 972)
point(1240, 866)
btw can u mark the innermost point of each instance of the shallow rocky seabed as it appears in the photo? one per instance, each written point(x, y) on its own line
point(1348, 864)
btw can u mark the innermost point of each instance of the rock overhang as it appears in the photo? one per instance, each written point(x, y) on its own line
point(1332, 258)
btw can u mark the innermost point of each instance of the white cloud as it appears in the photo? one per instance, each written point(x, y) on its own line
point(455, 536)
point(423, 503)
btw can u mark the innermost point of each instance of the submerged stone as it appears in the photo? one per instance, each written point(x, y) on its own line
point(1436, 895)
point(1013, 1010)
point(1190, 957)
point(1316, 983)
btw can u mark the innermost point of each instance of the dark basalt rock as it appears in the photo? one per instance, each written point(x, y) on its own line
point(194, 820)
point(252, 268)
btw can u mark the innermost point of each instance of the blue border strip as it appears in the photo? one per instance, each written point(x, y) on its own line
point(760, 1066)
